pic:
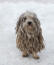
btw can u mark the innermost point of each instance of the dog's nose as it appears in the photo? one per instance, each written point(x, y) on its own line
point(29, 23)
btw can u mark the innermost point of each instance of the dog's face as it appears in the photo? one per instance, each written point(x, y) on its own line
point(28, 21)
point(29, 24)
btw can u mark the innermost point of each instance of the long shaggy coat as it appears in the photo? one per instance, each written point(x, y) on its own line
point(29, 39)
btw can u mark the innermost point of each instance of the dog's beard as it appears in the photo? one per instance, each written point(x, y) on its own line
point(29, 29)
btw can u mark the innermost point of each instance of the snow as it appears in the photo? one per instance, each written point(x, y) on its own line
point(42, 1)
point(9, 13)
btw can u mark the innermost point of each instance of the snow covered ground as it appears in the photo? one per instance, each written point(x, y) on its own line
point(9, 12)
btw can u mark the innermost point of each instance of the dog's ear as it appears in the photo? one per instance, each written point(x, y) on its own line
point(41, 39)
point(39, 29)
point(20, 21)
point(18, 24)
point(40, 36)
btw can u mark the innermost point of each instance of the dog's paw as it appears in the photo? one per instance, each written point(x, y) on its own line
point(36, 57)
point(24, 54)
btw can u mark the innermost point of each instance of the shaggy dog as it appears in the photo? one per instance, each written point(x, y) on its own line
point(29, 34)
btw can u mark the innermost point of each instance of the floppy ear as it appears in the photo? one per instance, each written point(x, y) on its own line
point(41, 39)
point(18, 24)
point(40, 36)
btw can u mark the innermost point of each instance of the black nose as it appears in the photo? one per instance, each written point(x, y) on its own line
point(29, 23)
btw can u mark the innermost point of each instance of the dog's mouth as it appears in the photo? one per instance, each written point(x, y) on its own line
point(30, 27)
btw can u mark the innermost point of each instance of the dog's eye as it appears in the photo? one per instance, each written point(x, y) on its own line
point(24, 18)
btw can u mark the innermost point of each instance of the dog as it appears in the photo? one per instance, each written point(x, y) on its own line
point(29, 38)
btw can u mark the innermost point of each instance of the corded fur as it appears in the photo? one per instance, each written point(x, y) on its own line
point(29, 41)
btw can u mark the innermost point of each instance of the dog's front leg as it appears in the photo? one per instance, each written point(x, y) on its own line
point(34, 54)
point(24, 54)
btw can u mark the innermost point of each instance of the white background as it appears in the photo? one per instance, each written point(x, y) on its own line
point(9, 13)
point(43, 1)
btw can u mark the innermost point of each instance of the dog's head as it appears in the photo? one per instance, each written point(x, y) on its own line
point(29, 22)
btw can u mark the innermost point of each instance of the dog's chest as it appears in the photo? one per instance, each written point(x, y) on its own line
point(29, 40)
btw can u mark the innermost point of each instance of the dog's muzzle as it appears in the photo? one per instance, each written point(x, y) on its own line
point(29, 22)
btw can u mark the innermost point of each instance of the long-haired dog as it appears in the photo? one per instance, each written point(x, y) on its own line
point(29, 34)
